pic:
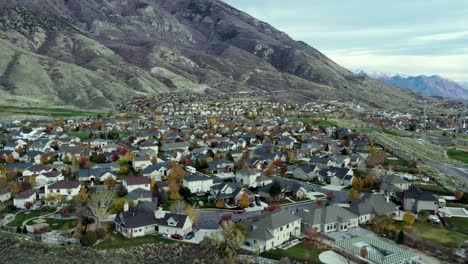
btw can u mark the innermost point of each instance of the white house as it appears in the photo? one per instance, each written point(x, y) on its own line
point(49, 177)
point(247, 177)
point(198, 183)
point(372, 205)
point(141, 162)
point(272, 229)
point(21, 199)
point(133, 183)
point(327, 219)
point(36, 170)
point(5, 194)
point(68, 189)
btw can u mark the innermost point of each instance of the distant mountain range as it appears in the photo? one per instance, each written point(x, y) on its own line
point(434, 85)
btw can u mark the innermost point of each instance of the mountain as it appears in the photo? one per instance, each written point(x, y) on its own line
point(428, 85)
point(94, 53)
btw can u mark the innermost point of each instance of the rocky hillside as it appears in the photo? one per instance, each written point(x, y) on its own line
point(94, 53)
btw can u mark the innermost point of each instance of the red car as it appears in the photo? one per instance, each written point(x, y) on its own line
point(239, 211)
point(177, 237)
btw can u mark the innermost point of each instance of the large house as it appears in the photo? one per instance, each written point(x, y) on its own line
point(415, 200)
point(145, 219)
point(305, 172)
point(247, 177)
point(391, 184)
point(23, 198)
point(230, 193)
point(49, 177)
point(68, 189)
point(372, 205)
point(198, 183)
point(272, 229)
point(5, 194)
point(336, 176)
point(133, 183)
point(328, 219)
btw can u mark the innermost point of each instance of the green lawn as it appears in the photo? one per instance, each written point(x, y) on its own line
point(115, 241)
point(460, 223)
point(57, 224)
point(23, 216)
point(458, 155)
point(55, 112)
point(457, 205)
point(439, 235)
point(296, 253)
point(396, 163)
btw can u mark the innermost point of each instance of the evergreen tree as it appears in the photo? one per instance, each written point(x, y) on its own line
point(401, 237)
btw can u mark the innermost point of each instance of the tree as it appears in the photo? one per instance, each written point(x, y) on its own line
point(90, 239)
point(185, 192)
point(66, 160)
point(369, 181)
point(154, 160)
point(401, 237)
point(408, 219)
point(118, 205)
point(220, 203)
point(99, 204)
point(364, 252)
point(178, 207)
point(270, 171)
point(312, 236)
point(14, 187)
point(25, 230)
point(275, 190)
point(82, 196)
point(458, 194)
point(272, 207)
point(423, 215)
point(162, 196)
point(109, 182)
point(330, 196)
point(225, 218)
point(230, 242)
point(54, 198)
point(10, 158)
point(193, 213)
point(44, 159)
point(244, 201)
point(353, 195)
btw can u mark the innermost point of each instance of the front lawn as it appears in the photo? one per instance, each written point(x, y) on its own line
point(299, 253)
point(21, 217)
point(457, 205)
point(435, 189)
point(458, 155)
point(115, 241)
point(57, 224)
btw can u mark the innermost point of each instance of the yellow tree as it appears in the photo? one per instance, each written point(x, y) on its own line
point(193, 213)
point(220, 203)
point(118, 205)
point(14, 187)
point(10, 158)
point(458, 194)
point(154, 160)
point(244, 201)
point(408, 219)
point(109, 183)
point(353, 194)
point(32, 180)
point(357, 183)
point(369, 181)
point(82, 196)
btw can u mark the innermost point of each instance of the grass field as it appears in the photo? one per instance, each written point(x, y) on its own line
point(115, 241)
point(458, 155)
point(457, 205)
point(439, 235)
point(26, 215)
point(57, 224)
point(461, 223)
point(435, 189)
point(44, 111)
point(299, 253)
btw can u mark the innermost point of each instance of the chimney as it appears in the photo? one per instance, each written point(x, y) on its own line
point(125, 207)
point(159, 213)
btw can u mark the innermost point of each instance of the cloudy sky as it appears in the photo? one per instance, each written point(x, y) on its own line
point(399, 36)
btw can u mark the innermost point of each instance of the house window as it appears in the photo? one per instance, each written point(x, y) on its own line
point(287, 226)
point(255, 241)
point(281, 228)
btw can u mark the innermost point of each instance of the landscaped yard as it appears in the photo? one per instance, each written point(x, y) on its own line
point(56, 224)
point(114, 241)
point(461, 223)
point(457, 205)
point(23, 216)
point(439, 235)
point(458, 155)
point(300, 253)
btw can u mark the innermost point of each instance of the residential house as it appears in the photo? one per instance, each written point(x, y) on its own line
point(271, 230)
point(230, 193)
point(68, 189)
point(95, 175)
point(247, 177)
point(305, 172)
point(5, 194)
point(141, 162)
point(289, 189)
point(392, 184)
point(139, 195)
point(327, 219)
point(372, 205)
point(21, 199)
point(49, 177)
point(221, 166)
point(133, 183)
point(198, 183)
point(36, 170)
point(157, 171)
point(336, 176)
point(416, 200)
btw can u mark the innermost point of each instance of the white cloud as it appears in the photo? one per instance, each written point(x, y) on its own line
point(442, 36)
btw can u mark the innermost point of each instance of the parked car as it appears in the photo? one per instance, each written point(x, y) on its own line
point(239, 211)
point(177, 237)
point(252, 205)
point(189, 236)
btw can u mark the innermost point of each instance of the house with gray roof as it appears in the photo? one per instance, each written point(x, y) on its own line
point(391, 184)
point(271, 230)
point(305, 171)
point(230, 193)
point(327, 219)
point(139, 195)
point(372, 205)
point(416, 200)
point(198, 183)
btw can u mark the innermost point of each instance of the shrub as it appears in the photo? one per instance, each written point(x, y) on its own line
point(89, 239)
point(100, 233)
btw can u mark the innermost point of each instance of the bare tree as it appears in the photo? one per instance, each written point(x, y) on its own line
point(178, 207)
point(99, 204)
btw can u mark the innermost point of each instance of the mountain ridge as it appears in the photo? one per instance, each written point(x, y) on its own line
point(93, 53)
